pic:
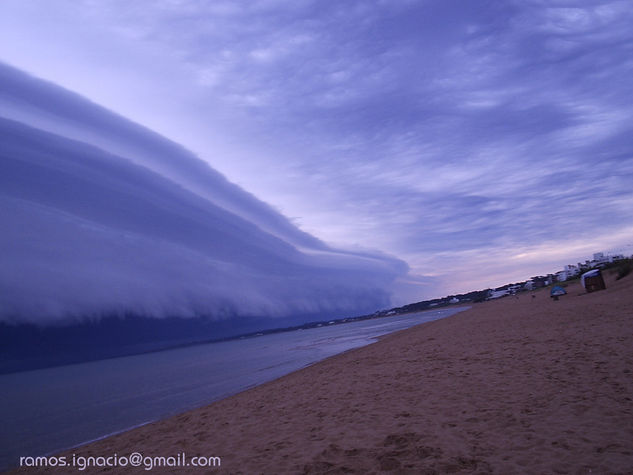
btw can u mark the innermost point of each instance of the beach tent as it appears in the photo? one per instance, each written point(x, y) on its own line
point(557, 291)
point(592, 280)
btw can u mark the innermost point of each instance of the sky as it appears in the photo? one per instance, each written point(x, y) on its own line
point(466, 144)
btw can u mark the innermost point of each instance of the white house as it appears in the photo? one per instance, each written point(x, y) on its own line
point(495, 294)
point(562, 276)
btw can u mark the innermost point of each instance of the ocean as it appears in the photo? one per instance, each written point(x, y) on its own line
point(48, 410)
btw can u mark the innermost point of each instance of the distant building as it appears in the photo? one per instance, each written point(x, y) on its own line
point(562, 276)
point(583, 266)
point(495, 294)
point(599, 259)
point(568, 272)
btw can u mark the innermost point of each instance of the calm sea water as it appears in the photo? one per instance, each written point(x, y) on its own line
point(48, 410)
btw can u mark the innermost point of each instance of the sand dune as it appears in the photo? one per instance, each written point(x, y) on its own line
point(525, 385)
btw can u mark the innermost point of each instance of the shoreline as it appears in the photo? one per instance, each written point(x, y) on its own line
point(240, 336)
point(515, 385)
point(118, 410)
point(255, 385)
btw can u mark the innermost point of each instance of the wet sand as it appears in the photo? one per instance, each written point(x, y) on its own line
point(527, 385)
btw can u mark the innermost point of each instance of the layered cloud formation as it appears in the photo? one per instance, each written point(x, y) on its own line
point(101, 216)
point(457, 136)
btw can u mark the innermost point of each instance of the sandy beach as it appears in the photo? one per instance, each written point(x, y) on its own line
point(515, 385)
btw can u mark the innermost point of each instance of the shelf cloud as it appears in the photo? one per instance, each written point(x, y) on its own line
point(101, 216)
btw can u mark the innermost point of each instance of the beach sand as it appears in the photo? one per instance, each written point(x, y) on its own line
point(527, 385)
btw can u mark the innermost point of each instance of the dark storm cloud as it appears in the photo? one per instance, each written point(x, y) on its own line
point(87, 232)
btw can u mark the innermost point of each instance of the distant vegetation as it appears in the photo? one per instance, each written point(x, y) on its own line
point(623, 268)
point(474, 296)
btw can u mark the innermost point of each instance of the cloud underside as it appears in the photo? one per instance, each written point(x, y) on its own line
point(88, 232)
